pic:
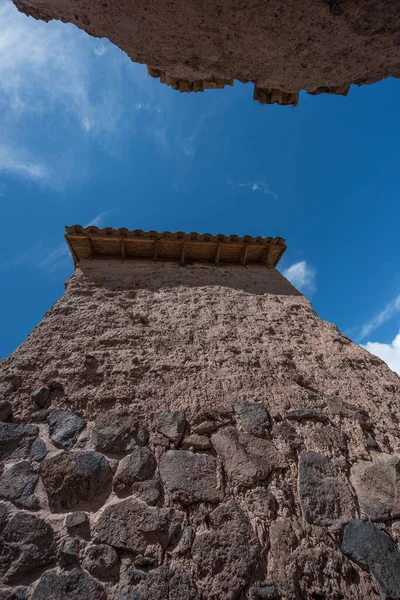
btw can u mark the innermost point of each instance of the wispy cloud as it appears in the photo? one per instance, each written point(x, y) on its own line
point(50, 260)
point(302, 276)
point(100, 50)
point(59, 256)
point(49, 91)
point(387, 313)
point(147, 107)
point(390, 353)
point(14, 161)
point(256, 186)
point(190, 144)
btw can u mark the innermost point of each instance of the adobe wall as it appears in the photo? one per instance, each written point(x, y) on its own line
point(321, 46)
point(198, 433)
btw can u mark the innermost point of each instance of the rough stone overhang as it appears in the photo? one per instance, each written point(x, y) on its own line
point(86, 243)
point(281, 46)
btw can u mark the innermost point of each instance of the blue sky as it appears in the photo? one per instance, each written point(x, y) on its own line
point(87, 137)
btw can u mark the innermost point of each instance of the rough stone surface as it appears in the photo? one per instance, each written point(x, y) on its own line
point(247, 459)
point(138, 466)
point(305, 562)
point(102, 561)
point(306, 414)
point(41, 395)
point(220, 338)
point(196, 442)
point(17, 484)
point(253, 418)
point(325, 497)
point(132, 525)
point(18, 593)
point(72, 479)
point(377, 485)
point(162, 583)
point(77, 523)
point(64, 427)
point(117, 433)
point(38, 450)
point(226, 556)
point(74, 585)
point(190, 477)
point(26, 543)
point(372, 547)
point(16, 440)
point(262, 503)
point(272, 44)
point(186, 541)
point(147, 491)
point(5, 410)
point(68, 554)
point(172, 424)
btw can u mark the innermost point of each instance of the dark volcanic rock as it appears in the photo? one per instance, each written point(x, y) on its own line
point(39, 450)
point(148, 491)
point(16, 440)
point(306, 414)
point(5, 410)
point(306, 563)
point(171, 424)
point(72, 479)
point(102, 561)
point(117, 433)
point(68, 554)
point(18, 593)
point(41, 395)
point(26, 543)
point(75, 585)
point(374, 548)
point(325, 497)
point(377, 485)
point(253, 418)
point(138, 466)
point(247, 459)
point(262, 503)
point(226, 556)
point(186, 541)
point(17, 484)
point(190, 477)
point(196, 442)
point(64, 427)
point(132, 525)
point(77, 523)
point(161, 584)
point(263, 592)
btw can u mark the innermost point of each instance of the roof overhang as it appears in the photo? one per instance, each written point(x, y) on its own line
point(87, 243)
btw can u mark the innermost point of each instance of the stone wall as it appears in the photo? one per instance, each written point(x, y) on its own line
point(196, 433)
point(283, 47)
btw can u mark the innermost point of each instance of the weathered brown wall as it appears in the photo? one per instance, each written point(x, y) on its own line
point(196, 432)
point(288, 45)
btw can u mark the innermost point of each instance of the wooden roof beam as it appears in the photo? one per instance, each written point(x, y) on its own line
point(217, 253)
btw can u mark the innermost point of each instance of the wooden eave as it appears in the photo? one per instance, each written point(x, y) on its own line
point(90, 243)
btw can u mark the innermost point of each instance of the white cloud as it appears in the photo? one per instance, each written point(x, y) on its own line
point(14, 161)
point(390, 353)
point(100, 50)
point(387, 313)
point(190, 145)
point(256, 186)
point(302, 276)
point(52, 85)
point(147, 107)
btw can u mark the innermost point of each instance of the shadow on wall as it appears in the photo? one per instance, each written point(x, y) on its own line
point(154, 276)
